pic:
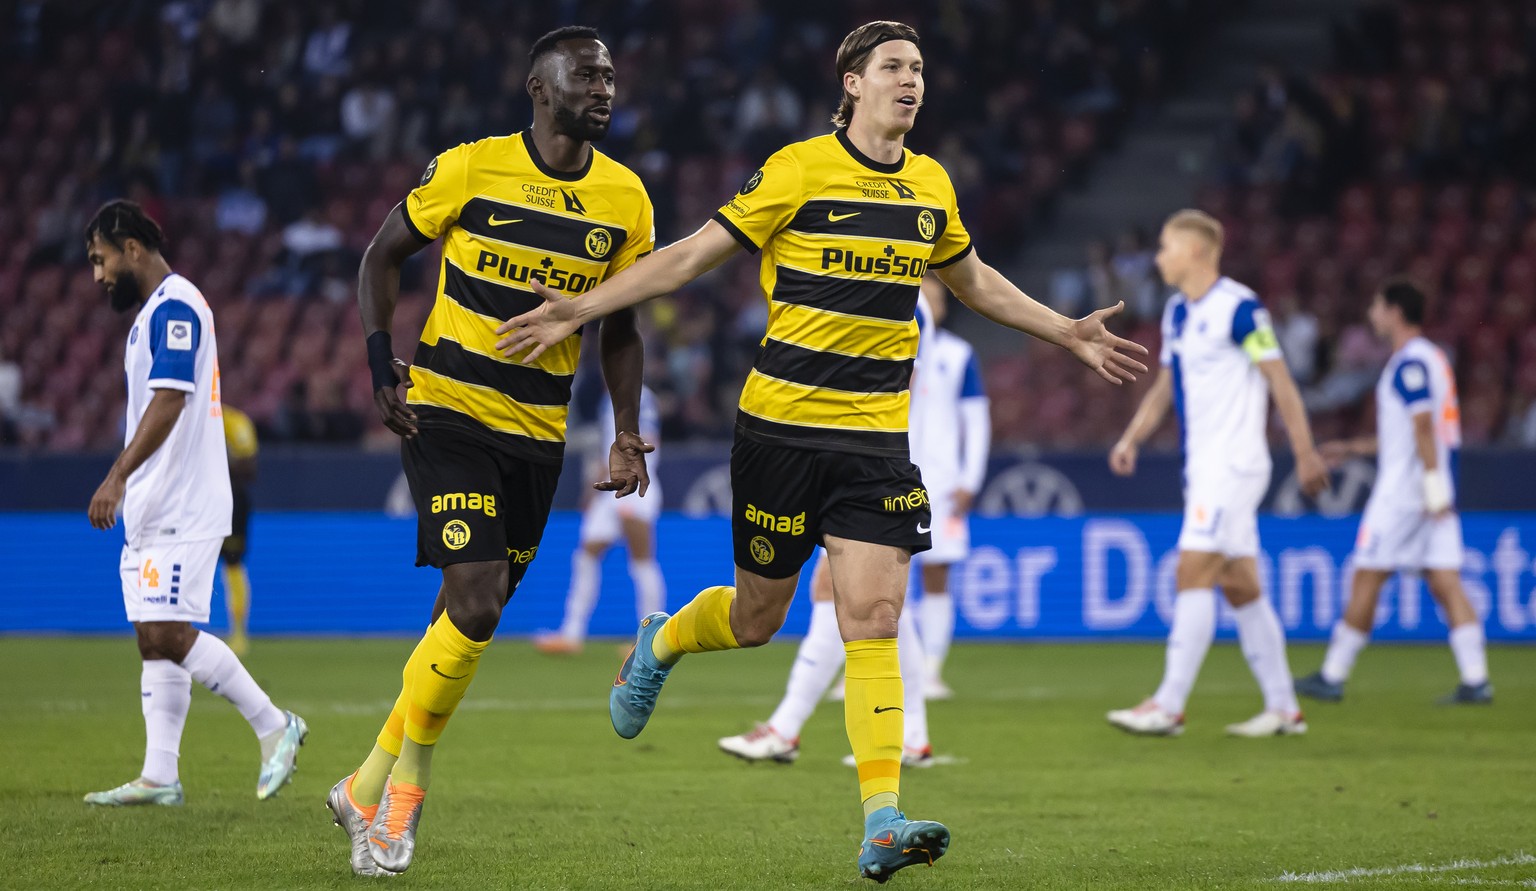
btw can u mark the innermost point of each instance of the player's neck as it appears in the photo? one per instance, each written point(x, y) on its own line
point(154, 271)
point(566, 154)
point(1200, 283)
point(1401, 336)
point(881, 146)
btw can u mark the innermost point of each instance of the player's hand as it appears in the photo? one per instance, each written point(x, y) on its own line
point(1312, 472)
point(1122, 458)
point(1336, 452)
point(103, 509)
point(396, 415)
point(626, 466)
point(541, 328)
point(963, 500)
point(1093, 344)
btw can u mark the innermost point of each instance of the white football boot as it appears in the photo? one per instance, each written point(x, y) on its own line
point(1270, 724)
point(1147, 719)
point(135, 792)
point(761, 743)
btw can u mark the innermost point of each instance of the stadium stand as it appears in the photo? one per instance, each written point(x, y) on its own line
point(1409, 156)
point(270, 139)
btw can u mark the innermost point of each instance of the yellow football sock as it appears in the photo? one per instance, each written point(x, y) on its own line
point(442, 668)
point(703, 626)
point(237, 595)
point(872, 711)
point(368, 782)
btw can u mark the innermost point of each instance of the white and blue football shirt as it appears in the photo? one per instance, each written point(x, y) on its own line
point(181, 493)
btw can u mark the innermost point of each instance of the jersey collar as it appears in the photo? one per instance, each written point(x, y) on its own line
point(867, 161)
point(552, 173)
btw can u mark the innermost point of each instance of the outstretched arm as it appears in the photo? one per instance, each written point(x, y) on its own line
point(985, 290)
point(378, 290)
point(1309, 464)
point(1154, 406)
point(663, 272)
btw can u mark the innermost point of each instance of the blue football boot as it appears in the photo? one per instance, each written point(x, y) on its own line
point(634, 692)
point(892, 842)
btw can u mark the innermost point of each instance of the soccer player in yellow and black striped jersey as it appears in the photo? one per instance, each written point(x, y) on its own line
point(241, 445)
point(484, 434)
point(847, 224)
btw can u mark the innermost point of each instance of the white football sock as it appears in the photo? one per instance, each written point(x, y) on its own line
point(1194, 627)
point(936, 623)
point(819, 661)
point(650, 587)
point(1468, 646)
point(166, 690)
point(214, 665)
point(586, 574)
point(1343, 648)
point(909, 649)
point(1263, 641)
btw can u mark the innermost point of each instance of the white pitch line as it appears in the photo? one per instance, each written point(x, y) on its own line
point(1345, 875)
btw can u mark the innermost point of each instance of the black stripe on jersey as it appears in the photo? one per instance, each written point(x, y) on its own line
point(433, 417)
point(522, 383)
point(866, 219)
point(960, 255)
point(487, 298)
point(536, 230)
point(875, 300)
point(736, 233)
point(814, 368)
point(823, 439)
point(406, 216)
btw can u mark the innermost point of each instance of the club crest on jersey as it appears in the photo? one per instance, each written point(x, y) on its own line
point(455, 534)
point(753, 181)
point(431, 171)
point(598, 243)
point(926, 225)
point(178, 335)
point(133, 336)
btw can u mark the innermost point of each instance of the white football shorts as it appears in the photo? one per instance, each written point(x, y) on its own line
point(602, 521)
point(1221, 514)
point(1392, 539)
point(169, 581)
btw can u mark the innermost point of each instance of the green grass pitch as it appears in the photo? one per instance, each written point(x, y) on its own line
point(532, 789)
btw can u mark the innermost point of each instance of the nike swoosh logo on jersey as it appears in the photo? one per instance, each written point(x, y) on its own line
point(495, 222)
point(835, 217)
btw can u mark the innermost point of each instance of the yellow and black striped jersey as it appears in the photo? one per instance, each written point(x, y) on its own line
point(239, 434)
point(845, 241)
point(505, 217)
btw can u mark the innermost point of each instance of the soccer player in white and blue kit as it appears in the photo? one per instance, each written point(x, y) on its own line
point(1410, 521)
point(606, 519)
point(172, 481)
point(950, 433)
point(1221, 363)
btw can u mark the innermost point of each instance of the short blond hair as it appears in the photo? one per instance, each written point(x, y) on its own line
point(1200, 223)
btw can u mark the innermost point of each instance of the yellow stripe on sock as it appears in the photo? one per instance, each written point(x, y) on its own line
point(872, 710)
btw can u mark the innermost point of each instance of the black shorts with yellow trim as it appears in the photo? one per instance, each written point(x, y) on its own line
point(233, 549)
point(476, 503)
point(785, 499)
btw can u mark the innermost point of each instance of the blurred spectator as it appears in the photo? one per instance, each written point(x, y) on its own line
point(1355, 369)
point(1136, 278)
point(240, 208)
point(326, 48)
point(368, 119)
point(237, 21)
point(10, 398)
point(1297, 331)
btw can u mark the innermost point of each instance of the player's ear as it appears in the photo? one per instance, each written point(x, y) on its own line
point(535, 87)
point(852, 82)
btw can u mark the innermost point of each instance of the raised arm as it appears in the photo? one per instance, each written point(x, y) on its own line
point(1149, 414)
point(985, 290)
point(663, 272)
point(1282, 387)
point(378, 290)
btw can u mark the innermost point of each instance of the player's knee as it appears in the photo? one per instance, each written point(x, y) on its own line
point(475, 594)
point(757, 630)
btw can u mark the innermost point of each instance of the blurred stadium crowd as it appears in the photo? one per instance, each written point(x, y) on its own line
point(1411, 155)
point(270, 138)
